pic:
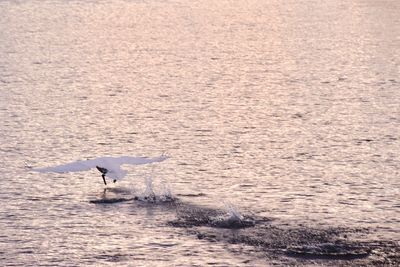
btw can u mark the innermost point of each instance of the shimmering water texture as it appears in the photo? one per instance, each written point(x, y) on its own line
point(281, 120)
point(279, 244)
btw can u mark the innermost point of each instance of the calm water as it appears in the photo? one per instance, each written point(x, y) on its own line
point(287, 109)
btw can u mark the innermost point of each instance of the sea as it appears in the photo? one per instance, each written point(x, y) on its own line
point(280, 121)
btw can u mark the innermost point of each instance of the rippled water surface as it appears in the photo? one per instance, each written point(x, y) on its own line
point(286, 109)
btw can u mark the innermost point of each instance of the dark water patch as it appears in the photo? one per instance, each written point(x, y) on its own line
point(292, 245)
point(156, 199)
point(116, 257)
point(283, 242)
point(191, 216)
point(246, 185)
point(287, 199)
point(386, 253)
point(203, 130)
point(147, 199)
point(298, 246)
point(164, 245)
point(34, 198)
point(110, 200)
point(297, 116)
point(26, 251)
point(363, 140)
point(233, 223)
point(192, 195)
point(103, 144)
point(112, 195)
point(329, 251)
point(391, 138)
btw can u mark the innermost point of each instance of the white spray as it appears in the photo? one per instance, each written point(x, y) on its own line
point(233, 213)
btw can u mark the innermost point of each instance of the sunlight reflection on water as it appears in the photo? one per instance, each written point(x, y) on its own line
point(290, 109)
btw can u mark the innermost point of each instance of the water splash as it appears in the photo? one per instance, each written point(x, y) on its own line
point(232, 218)
point(166, 193)
point(189, 216)
point(233, 212)
point(152, 193)
point(149, 194)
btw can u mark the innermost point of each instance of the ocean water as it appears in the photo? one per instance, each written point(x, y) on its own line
point(282, 110)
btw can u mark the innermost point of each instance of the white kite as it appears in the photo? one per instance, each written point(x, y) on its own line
point(108, 166)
